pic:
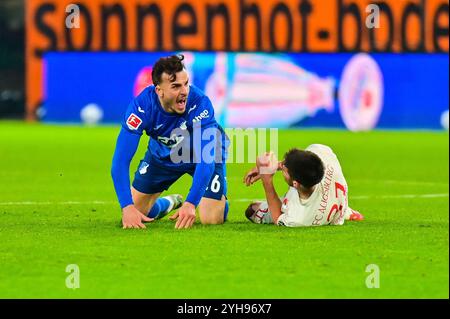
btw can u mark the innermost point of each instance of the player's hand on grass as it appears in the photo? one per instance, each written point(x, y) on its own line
point(174, 216)
point(185, 216)
point(252, 176)
point(132, 218)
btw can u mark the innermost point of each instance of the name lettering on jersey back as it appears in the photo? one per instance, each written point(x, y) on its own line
point(326, 183)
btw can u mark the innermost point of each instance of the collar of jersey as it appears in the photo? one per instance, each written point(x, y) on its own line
point(307, 202)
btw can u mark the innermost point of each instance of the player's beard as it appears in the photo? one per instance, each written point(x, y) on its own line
point(179, 105)
point(173, 107)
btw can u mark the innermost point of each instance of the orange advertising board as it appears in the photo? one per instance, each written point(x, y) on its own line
point(325, 26)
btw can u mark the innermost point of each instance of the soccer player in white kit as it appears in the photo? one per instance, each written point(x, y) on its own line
point(317, 195)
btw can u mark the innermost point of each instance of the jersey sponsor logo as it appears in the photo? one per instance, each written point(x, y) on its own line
point(134, 121)
point(201, 116)
point(171, 141)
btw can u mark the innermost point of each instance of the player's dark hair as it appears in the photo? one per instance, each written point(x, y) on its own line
point(249, 212)
point(304, 167)
point(170, 65)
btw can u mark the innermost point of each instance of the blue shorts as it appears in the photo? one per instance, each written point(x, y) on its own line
point(150, 179)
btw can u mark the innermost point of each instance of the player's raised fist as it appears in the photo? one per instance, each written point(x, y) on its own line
point(267, 163)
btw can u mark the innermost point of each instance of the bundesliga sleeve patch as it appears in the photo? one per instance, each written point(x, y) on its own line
point(133, 122)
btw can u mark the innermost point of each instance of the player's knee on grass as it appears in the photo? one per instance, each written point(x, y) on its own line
point(212, 217)
point(211, 220)
point(211, 211)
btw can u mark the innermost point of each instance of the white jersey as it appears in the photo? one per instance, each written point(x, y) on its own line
point(328, 203)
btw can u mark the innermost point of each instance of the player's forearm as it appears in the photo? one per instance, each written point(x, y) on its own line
point(272, 198)
point(122, 185)
point(126, 146)
point(204, 169)
point(202, 176)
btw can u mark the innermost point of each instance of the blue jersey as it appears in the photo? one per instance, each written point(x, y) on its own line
point(145, 114)
point(195, 133)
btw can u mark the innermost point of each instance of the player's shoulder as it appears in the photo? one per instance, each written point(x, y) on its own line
point(319, 147)
point(291, 192)
point(199, 106)
point(324, 152)
point(290, 199)
point(198, 97)
point(145, 99)
point(195, 92)
point(138, 115)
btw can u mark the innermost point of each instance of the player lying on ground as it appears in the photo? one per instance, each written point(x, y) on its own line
point(318, 192)
point(172, 112)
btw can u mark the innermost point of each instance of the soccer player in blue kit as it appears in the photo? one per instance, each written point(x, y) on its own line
point(184, 138)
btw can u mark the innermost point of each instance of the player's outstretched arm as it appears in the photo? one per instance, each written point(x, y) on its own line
point(267, 166)
point(272, 198)
point(126, 146)
point(202, 175)
point(186, 214)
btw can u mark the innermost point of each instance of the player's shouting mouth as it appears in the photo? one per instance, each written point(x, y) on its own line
point(181, 104)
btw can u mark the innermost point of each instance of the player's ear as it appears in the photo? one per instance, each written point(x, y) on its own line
point(295, 184)
point(159, 91)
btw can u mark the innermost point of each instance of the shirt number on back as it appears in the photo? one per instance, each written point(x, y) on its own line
point(215, 184)
point(335, 208)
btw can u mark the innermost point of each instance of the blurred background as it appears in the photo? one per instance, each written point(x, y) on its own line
point(351, 64)
point(12, 59)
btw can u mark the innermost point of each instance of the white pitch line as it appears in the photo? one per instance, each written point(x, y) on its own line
point(30, 203)
point(99, 202)
point(404, 196)
point(361, 181)
point(402, 182)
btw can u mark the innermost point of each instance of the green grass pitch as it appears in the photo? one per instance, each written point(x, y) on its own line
point(58, 207)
